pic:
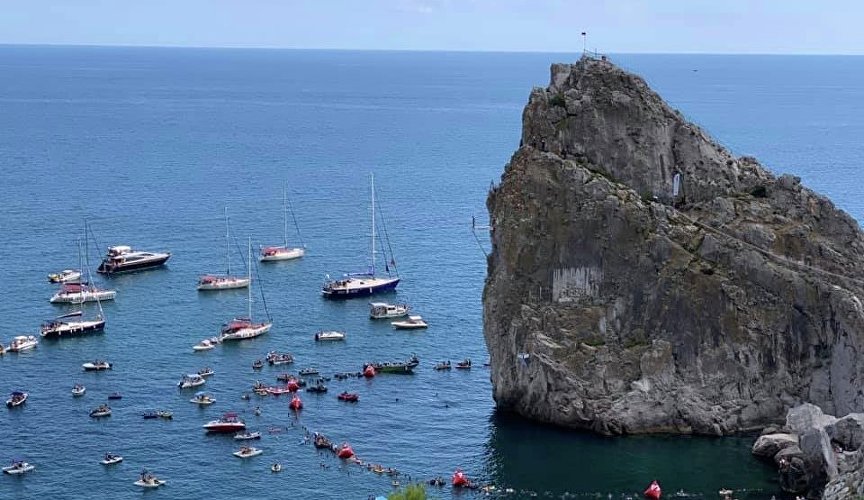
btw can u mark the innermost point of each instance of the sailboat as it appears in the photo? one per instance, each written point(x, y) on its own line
point(211, 282)
point(246, 328)
point(78, 292)
point(284, 252)
point(365, 283)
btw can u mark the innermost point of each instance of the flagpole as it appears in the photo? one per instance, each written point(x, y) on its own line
point(584, 41)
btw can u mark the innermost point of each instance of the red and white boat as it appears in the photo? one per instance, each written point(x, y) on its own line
point(78, 293)
point(278, 391)
point(229, 422)
point(275, 253)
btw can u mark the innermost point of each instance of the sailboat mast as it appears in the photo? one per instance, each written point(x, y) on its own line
point(227, 244)
point(249, 263)
point(285, 212)
point(372, 177)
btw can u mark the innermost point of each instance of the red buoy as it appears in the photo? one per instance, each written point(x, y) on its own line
point(653, 492)
point(345, 451)
point(369, 371)
point(292, 386)
point(296, 403)
point(460, 480)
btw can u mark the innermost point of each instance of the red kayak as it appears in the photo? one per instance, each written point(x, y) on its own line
point(351, 397)
point(460, 480)
point(296, 403)
point(653, 492)
point(345, 451)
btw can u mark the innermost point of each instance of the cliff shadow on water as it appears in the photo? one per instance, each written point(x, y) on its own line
point(531, 457)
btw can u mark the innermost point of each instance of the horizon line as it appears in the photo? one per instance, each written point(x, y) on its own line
point(466, 51)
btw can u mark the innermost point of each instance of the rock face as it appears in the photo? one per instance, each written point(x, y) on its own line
point(643, 279)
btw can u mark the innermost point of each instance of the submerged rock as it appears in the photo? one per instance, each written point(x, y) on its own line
point(643, 279)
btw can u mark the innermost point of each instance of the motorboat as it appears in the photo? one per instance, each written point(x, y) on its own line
point(65, 276)
point(206, 372)
point(464, 365)
point(111, 459)
point(276, 467)
point(191, 380)
point(101, 411)
point(329, 336)
point(23, 343)
point(349, 397)
point(97, 365)
point(366, 283)
point(147, 480)
point(257, 364)
point(247, 436)
point(443, 365)
point(307, 372)
point(320, 441)
point(165, 414)
point(78, 390)
point(276, 359)
point(278, 391)
point(122, 259)
point(412, 323)
point(78, 293)
point(318, 388)
point(150, 415)
point(115, 395)
point(229, 422)
point(203, 399)
point(64, 326)
point(18, 467)
point(17, 398)
point(296, 403)
point(345, 451)
point(212, 282)
point(460, 480)
point(245, 328)
point(274, 253)
point(404, 368)
point(384, 310)
point(247, 452)
point(206, 344)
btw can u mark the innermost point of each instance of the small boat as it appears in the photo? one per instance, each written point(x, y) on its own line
point(191, 380)
point(111, 459)
point(443, 365)
point(229, 422)
point(150, 415)
point(412, 323)
point(350, 397)
point(206, 372)
point(97, 365)
point(276, 359)
point(78, 293)
point(329, 336)
point(320, 441)
point(275, 253)
point(278, 391)
point(165, 414)
point(65, 276)
point(78, 390)
point(147, 480)
point(115, 395)
point(277, 467)
point(247, 452)
point(247, 436)
point(206, 344)
point(296, 403)
point(122, 259)
point(383, 310)
point(257, 364)
point(101, 411)
point(23, 343)
point(653, 491)
point(18, 467)
point(345, 451)
point(307, 372)
point(203, 399)
point(460, 480)
point(17, 398)
point(318, 388)
point(464, 364)
point(390, 367)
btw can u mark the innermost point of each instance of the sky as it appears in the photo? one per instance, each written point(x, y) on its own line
point(614, 26)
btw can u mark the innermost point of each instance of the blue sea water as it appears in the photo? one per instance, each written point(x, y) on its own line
point(149, 145)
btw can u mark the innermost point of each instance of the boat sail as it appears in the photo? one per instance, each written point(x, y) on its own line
point(246, 328)
point(364, 283)
point(276, 253)
point(212, 282)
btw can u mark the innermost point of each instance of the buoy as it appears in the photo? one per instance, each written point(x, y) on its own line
point(369, 371)
point(296, 403)
point(653, 491)
point(460, 480)
point(345, 451)
point(292, 386)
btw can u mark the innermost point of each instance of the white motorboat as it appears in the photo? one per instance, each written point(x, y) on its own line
point(276, 359)
point(65, 276)
point(206, 372)
point(206, 344)
point(23, 343)
point(329, 336)
point(111, 459)
point(412, 323)
point(78, 293)
point(247, 452)
point(383, 310)
point(247, 436)
point(98, 365)
point(17, 398)
point(147, 480)
point(78, 390)
point(203, 399)
point(229, 422)
point(246, 328)
point(191, 380)
point(213, 282)
point(122, 259)
point(101, 411)
point(275, 253)
point(18, 467)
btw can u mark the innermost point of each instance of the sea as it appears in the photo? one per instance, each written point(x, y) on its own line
point(149, 146)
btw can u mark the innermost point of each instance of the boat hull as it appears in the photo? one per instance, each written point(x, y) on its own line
point(282, 254)
point(361, 290)
point(109, 268)
point(224, 284)
point(224, 428)
point(247, 333)
point(74, 329)
point(81, 297)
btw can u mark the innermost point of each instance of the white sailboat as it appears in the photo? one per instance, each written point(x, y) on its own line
point(212, 282)
point(276, 253)
point(246, 328)
point(77, 291)
point(365, 283)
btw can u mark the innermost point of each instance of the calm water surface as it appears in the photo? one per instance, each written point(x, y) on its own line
point(151, 144)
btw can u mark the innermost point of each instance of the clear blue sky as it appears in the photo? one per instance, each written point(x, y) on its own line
point(720, 26)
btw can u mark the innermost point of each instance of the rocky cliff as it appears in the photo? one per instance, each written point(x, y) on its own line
point(644, 279)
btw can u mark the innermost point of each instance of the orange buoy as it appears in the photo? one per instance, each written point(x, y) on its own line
point(296, 403)
point(653, 491)
point(460, 480)
point(369, 371)
point(345, 451)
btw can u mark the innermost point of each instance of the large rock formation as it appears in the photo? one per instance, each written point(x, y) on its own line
point(643, 279)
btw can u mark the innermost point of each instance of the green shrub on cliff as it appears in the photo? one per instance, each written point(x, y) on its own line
point(410, 492)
